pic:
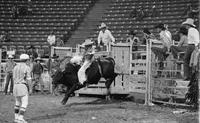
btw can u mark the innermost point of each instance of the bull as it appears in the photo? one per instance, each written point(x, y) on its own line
point(100, 68)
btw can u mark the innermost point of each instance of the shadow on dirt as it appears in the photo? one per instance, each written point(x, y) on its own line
point(79, 107)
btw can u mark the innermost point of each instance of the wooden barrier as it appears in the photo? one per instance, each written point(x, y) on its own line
point(131, 65)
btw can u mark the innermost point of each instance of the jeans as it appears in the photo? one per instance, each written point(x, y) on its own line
point(187, 68)
point(175, 50)
point(9, 78)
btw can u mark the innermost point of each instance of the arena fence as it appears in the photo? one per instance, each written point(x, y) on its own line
point(166, 85)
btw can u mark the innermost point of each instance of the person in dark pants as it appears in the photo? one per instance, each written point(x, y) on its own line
point(37, 72)
point(9, 74)
point(183, 43)
point(193, 41)
point(166, 40)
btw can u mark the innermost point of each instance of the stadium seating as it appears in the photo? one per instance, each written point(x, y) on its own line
point(62, 16)
point(119, 21)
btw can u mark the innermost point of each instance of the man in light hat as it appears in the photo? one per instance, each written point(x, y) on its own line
point(105, 37)
point(37, 72)
point(10, 64)
point(88, 55)
point(21, 76)
point(193, 41)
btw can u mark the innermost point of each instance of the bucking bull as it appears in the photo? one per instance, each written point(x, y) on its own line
point(100, 68)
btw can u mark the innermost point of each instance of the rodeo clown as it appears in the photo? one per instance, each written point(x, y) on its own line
point(21, 76)
point(86, 57)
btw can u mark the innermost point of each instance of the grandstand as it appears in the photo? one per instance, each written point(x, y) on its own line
point(76, 20)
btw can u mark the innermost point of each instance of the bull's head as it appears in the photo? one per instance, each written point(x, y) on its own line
point(57, 76)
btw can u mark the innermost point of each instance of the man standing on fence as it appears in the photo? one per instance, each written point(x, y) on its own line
point(9, 74)
point(21, 76)
point(193, 41)
point(105, 37)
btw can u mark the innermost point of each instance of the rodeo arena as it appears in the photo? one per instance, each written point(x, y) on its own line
point(99, 61)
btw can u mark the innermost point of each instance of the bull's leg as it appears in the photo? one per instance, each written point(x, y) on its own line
point(108, 83)
point(67, 94)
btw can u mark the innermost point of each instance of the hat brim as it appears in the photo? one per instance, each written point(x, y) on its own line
point(101, 27)
point(186, 23)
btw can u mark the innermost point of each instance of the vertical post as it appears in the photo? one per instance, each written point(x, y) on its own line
point(49, 67)
point(148, 73)
point(0, 69)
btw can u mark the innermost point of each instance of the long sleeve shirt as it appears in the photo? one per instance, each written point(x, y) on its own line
point(106, 37)
point(9, 66)
point(37, 69)
point(51, 39)
point(21, 73)
point(166, 38)
point(183, 41)
point(193, 36)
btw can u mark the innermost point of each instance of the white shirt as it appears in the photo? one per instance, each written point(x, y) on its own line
point(105, 37)
point(51, 39)
point(166, 38)
point(193, 36)
point(21, 73)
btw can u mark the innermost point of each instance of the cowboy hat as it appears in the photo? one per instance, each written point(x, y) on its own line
point(103, 25)
point(87, 42)
point(189, 21)
point(24, 57)
point(55, 56)
point(10, 57)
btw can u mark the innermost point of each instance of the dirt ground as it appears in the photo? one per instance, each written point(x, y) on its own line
point(47, 109)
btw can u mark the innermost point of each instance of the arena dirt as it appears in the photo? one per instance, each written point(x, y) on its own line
point(47, 109)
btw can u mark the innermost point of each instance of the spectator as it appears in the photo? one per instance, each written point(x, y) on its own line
point(5, 37)
point(165, 38)
point(4, 53)
point(133, 12)
point(193, 41)
point(65, 37)
point(59, 42)
point(190, 12)
point(15, 11)
point(51, 39)
point(37, 72)
point(140, 14)
point(32, 52)
point(132, 39)
point(154, 11)
point(105, 37)
point(29, 7)
point(183, 43)
point(10, 64)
